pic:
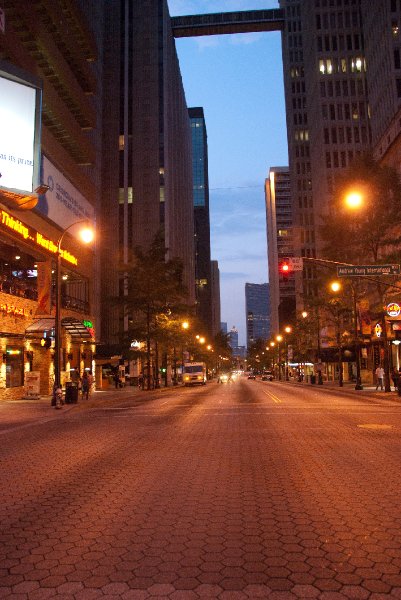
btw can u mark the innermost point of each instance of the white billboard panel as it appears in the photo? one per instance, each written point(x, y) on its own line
point(63, 203)
point(17, 135)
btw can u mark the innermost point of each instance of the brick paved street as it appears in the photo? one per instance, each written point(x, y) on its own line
point(245, 490)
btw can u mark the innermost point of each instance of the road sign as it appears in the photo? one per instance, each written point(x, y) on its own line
point(364, 270)
point(295, 263)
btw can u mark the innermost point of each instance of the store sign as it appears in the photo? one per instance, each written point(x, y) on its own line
point(378, 330)
point(8, 222)
point(18, 118)
point(393, 309)
point(16, 311)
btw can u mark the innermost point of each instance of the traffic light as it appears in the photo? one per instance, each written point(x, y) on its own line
point(284, 267)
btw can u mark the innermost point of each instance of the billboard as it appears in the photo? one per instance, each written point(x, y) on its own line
point(20, 127)
point(63, 203)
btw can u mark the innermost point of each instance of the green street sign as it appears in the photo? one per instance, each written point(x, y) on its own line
point(364, 270)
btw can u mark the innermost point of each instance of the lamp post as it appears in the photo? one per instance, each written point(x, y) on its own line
point(279, 338)
point(86, 235)
point(288, 330)
point(358, 383)
point(335, 287)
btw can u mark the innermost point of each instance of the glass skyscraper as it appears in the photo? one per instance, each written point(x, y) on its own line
point(257, 306)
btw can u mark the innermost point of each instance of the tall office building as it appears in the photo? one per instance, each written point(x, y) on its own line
point(215, 294)
point(279, 247)
point(147, 142)
point(257, 306)
point(382, 33)
point(233, 337)
point(327, 113)
point(203, 292)
point(223, 326)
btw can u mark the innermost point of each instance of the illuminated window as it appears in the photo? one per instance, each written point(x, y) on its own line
point(121, 142)
point(121, 195)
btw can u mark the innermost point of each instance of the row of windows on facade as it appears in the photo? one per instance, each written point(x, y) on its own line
point(300, 118)
point(349, 135)
point(304, 184)
point(303, 168)
point(305, 202)
point(337, 19)
point(331, 66)
point(342, 87)
point(345, 111)
point(302, 151)
point(299, 103)
point(307, 219)
point(335, 160)
point(333, 43)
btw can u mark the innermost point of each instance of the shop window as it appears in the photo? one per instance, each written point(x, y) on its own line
point(14, 359)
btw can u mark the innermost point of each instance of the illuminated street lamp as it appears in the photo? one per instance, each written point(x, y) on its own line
point(288, 330)
point(86, 234)
point(336, 287)
point(279, 338)
point(354, 200)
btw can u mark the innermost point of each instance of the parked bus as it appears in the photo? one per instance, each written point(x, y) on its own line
point(194, 373)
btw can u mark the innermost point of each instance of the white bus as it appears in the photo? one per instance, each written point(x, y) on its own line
point(194, 373)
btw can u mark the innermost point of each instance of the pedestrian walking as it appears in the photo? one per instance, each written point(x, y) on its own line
point(379, 377)
point(85, 386)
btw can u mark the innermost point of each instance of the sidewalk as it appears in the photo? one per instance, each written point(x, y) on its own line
point(349, 386)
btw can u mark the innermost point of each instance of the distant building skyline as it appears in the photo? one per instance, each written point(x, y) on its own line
point(257, 306)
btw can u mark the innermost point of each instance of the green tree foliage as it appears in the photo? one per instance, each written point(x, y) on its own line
point(372, 233)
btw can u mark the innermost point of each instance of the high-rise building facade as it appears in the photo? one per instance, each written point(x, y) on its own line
point(279, 247)
point(201, 218)
point(147, 139)
point(257, 307)
point(327, 113)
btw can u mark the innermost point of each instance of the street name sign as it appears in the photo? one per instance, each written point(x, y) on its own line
point(363, 270)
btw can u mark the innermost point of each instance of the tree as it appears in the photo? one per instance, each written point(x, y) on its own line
point(368, 234)
point(153, 289)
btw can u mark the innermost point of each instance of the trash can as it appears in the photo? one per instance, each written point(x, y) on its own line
point(313, 379)
point(71, 392)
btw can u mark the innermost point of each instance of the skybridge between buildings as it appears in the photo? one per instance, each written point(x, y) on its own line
point(228, 22)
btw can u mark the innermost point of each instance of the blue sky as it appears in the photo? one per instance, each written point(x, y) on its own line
point(238, 81)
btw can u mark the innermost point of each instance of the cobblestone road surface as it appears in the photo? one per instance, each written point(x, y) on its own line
point(244, 490)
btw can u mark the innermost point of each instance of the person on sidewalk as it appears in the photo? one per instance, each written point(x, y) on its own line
point(379, 377)
point(85, 386)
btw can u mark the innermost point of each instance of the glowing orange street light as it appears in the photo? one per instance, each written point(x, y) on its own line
point(354, 200)
point(335, 286)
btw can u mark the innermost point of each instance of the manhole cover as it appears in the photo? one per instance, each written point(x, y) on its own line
point(375, 426)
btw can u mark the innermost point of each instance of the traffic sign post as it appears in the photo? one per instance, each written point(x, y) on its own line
point(365, 270)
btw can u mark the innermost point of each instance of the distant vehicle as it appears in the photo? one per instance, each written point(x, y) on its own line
point(251, 376)
point(267, 376)
point(224, 378)
point(194, 373)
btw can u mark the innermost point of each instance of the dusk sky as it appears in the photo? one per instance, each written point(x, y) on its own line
point(238, 80)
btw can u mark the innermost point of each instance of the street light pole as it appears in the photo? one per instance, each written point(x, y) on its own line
point(87, 236)
point(358, 383)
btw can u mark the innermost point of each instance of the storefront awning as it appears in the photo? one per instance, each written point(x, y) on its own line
point(40, 327)
point(75, 327)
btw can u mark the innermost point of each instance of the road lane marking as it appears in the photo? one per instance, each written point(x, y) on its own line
point(275, 398)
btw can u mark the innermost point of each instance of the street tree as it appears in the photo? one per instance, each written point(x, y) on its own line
point(153, 289)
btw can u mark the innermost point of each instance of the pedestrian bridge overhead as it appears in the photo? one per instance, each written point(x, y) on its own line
point(229, 22)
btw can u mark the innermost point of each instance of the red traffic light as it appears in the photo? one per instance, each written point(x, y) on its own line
point(284, 266)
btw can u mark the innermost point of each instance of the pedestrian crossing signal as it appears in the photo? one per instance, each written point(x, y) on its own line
point(46, 342)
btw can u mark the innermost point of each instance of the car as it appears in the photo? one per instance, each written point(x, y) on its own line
point(224, 378)
point(251, 376)
point(267, 376)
